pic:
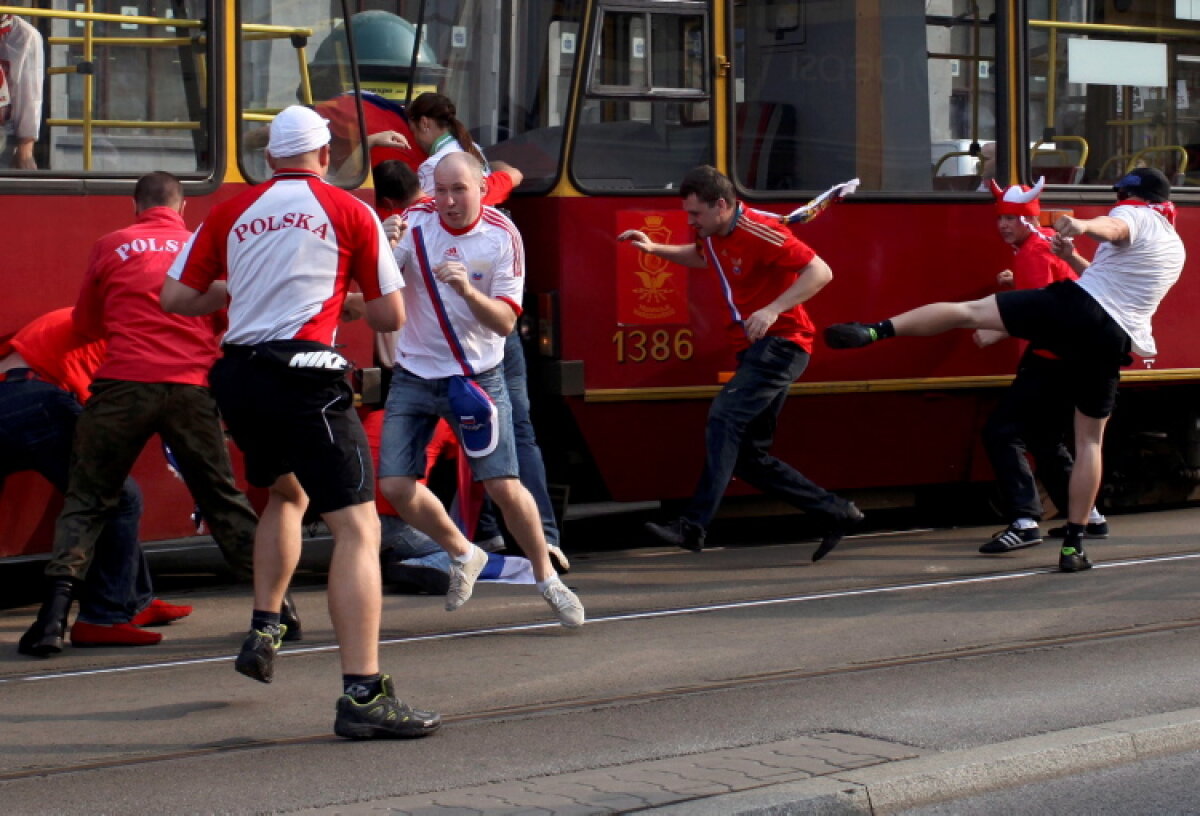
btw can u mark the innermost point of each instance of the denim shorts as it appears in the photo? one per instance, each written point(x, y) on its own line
point(414, 405)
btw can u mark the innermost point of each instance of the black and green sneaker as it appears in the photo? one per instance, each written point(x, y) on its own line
point(849, 335)
point(383, 717)
point(257, 658)
point(1073, 559)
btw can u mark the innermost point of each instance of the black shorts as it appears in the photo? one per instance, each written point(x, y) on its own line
point(1066, 320)
point(295, 420)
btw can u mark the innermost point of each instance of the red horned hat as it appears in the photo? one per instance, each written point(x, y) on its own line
point(1018, 199)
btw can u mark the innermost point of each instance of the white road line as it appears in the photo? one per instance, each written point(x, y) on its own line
point(659, 613)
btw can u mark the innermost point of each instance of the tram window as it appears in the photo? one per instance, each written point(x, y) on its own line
point(824, 92)
point(126, 97)
point(646, 120)
point(294, 53)
point(1115, 86)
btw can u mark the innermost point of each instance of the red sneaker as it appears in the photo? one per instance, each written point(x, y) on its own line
point(112, 634)
point(160, 612)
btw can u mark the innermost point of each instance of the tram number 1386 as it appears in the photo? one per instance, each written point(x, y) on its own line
point(659, 345)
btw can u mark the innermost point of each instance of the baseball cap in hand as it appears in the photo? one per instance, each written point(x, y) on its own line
point(478, 424)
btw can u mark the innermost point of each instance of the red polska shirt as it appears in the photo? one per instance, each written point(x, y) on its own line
point(119, 302)
point(58, 353)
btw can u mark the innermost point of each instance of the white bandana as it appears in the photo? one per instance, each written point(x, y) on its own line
point(297, 130)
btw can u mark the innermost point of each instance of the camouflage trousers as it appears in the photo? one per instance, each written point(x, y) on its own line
point(110, 434)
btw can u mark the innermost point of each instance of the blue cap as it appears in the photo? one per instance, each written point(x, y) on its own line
point(475, 413)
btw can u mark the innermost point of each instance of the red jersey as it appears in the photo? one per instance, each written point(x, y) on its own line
point(119, 302)
point(755, 263)
point(58, 353)
point(1035, 265)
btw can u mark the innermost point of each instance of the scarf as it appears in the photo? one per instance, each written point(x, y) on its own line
point(1164, 208)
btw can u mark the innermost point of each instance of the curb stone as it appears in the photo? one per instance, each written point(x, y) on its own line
point(925, 780)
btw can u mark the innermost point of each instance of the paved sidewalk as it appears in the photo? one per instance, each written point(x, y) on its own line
point(830, 773)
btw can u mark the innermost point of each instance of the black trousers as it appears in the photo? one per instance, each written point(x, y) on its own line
point(1034, 416)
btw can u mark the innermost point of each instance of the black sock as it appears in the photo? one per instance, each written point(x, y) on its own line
point(1073, 536)
point(265, 621)
point(362, 687)
point(883, 329)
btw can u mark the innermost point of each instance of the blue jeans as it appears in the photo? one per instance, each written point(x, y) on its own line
point(37, 426)
point(407, 542)
point(413, 407)
point(531, 468)
point(741, 428)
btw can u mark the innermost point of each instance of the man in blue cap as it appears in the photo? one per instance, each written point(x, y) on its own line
point(1092, 323)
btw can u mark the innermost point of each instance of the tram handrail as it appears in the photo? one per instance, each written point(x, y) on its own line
point(251, 31)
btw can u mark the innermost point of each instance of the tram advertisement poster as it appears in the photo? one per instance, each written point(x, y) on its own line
point(650, 290)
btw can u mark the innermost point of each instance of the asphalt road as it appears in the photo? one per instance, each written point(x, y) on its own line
point(910, 638)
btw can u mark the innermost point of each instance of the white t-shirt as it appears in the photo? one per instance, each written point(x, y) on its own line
point(1129, 281)
point(442, 337)
point(21, 65)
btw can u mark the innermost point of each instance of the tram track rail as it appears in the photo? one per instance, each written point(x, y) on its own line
point(782, 676)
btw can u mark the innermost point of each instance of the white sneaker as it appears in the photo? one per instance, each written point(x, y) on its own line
point(462, 578)
point(565, 604)
point(558, 559)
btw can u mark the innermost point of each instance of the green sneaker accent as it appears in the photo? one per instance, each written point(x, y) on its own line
point(874, 334)
point(1069, 551)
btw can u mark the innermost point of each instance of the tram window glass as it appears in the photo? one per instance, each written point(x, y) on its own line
point(127, 97)
point(1114, 86)
point(295, 53)
point(824, 92)
point(646, 119)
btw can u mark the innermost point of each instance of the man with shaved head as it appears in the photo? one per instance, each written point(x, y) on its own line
point(464, 273)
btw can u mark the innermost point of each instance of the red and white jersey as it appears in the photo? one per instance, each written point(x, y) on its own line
point(442, 337)
point(289, 249)
point(755, 263)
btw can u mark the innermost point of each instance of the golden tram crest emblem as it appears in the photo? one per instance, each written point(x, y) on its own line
point(656, 296)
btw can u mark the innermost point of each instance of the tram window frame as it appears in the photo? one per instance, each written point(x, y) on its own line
point(72, 181)
point(252, 175)
point(1039, 32)
point(661, 107)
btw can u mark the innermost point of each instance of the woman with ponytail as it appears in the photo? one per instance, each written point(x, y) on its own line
point(438, 131)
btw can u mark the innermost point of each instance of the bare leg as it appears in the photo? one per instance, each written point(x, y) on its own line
point(1086, 475)
point(417, 505)
point(521, 515)
point(277, 542)
point(935, 318)
point(355, 591)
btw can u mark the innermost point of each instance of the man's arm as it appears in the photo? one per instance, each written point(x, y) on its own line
point(682, 254)
point(386, 312)
point(180, 298)
point(812, 279)
point(494, 313)
point(1101, 228)
point(1065, 249)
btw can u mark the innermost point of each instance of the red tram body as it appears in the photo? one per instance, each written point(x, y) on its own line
point(603, 104)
